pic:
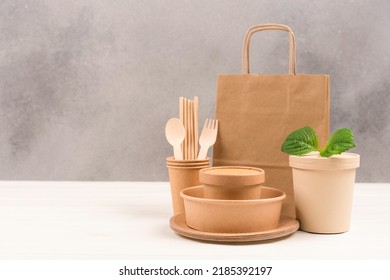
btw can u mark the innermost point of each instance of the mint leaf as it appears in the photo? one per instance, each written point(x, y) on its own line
point(341, 140)
point(300, 142)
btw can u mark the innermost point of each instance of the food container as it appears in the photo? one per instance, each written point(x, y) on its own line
point(323, 191)
point(232, 216)
point(232, 182)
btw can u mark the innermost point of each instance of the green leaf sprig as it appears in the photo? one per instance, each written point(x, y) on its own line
point(305, 140)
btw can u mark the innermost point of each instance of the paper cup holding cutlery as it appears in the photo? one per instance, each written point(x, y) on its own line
point(182, 134)
point(183, 174)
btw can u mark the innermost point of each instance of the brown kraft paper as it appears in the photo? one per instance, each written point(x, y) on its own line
point(256, 113)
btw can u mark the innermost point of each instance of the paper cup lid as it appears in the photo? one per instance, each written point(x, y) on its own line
point(314, 161)
point(232, 175)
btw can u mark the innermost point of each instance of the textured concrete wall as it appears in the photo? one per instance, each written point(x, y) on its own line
point(86, 87)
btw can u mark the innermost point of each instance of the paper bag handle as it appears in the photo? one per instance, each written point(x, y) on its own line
point(269, 26)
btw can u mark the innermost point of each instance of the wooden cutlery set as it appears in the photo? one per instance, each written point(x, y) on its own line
point(182, 133)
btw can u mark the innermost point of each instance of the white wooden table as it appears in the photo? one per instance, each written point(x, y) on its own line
point(130, 220)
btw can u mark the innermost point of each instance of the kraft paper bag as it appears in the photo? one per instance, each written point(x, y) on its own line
point(256, 113)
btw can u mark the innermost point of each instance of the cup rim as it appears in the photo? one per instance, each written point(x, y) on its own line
point(187, 164)
point(187, 167)
point(314, 161)
point(172, 159)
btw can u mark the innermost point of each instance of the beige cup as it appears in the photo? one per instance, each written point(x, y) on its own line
point(183, 174)
point(323, 191)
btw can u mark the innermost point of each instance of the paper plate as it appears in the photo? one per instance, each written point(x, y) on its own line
point(287, 226)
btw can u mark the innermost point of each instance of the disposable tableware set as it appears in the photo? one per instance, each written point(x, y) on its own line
point(248, 193)
point(220, 204)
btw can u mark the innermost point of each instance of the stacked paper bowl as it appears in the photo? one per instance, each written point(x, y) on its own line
point(232, 200)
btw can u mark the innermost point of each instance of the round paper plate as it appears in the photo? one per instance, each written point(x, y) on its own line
point(287, 226)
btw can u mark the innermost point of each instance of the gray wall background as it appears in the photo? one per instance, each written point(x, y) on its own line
point(86, 87)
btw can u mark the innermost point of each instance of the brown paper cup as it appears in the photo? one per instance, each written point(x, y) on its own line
point(183, 174)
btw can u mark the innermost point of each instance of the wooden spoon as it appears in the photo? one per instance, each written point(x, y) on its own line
point(174, 132)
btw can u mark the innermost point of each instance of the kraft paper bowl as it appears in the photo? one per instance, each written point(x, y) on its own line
point(232, 216)
point(232, 182)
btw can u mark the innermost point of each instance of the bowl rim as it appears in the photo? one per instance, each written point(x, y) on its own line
point(280, 197)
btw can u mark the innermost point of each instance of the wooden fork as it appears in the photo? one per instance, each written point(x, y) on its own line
point(207, 137)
